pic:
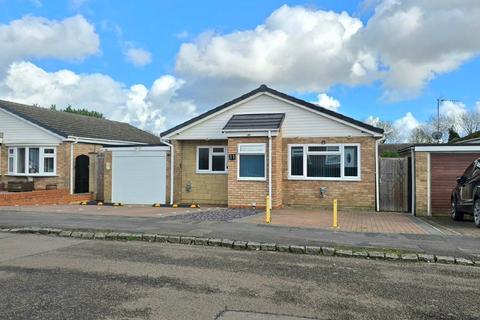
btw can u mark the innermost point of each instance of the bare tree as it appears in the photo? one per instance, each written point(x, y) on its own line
point(424, 132)
point(469, 122)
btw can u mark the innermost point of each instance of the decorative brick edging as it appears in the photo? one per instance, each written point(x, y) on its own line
point(375, 254)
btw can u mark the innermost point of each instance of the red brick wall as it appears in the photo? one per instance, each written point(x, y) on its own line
point(41, 197)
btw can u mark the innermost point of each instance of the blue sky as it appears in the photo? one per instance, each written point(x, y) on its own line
point(191, 83)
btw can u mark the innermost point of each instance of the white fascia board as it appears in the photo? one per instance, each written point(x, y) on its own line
point(138, 148)
point(250, 133)
point(33, 124)
point(35, 144)
point(449, 148)
point(103, 141)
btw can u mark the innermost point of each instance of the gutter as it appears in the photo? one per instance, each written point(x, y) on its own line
point(172, 161)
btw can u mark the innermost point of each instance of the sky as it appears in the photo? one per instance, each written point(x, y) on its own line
point(155, 64)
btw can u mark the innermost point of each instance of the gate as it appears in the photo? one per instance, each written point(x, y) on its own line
point(394, 186)
point(99, 196)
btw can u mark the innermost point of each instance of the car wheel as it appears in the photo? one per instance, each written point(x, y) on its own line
point(476, 212)
point(456, 214)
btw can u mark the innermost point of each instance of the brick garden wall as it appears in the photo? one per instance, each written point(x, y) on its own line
point(41, 197)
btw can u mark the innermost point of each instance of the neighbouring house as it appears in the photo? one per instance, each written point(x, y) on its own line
point(269, 143)
point(433, 171)
point(471, 138)
point(58, 152)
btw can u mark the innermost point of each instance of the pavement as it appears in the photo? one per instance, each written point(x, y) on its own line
point(43, 277)
point(231, 224)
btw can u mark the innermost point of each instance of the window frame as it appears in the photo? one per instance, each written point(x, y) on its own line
point(13, 154)
point(341, 152)
point(264, 153)
point(210, 155)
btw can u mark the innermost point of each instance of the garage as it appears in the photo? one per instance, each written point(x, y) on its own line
point(445, 168)
point(139, 174)
point(435, 168)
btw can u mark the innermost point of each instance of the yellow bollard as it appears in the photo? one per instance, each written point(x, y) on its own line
point(267, 209)
point(335, 221)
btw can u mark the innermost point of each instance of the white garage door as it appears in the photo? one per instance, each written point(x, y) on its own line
point(138, 176)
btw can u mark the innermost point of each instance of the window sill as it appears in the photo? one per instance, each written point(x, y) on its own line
point(325, 179)
point(252, 179)
point(211, 172)
point(32, 175)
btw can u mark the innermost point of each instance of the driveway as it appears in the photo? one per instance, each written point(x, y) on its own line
point(375, 222)
point(450, 227)
point(371, 222)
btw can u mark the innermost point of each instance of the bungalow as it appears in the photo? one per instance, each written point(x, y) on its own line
point(269, 143)
point(57, 151)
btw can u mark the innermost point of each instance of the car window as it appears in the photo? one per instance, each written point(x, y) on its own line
point(469, 170)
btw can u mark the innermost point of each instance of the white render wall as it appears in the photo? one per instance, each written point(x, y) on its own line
point(17, 131)
point(299, 122)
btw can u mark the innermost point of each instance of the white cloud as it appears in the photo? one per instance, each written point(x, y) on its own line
point(296, 48)
point(36, 37)
point(372, 120)
point(138, 57)
point(405, 126)
point(153, 109)
point(452, 109)
point(404, 44)
point(324, 100)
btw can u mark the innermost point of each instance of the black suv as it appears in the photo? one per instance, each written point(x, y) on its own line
point(466, 195)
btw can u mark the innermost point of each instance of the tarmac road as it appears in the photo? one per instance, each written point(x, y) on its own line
point(44, 277)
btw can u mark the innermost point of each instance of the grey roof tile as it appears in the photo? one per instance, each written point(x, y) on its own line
point(255, 121)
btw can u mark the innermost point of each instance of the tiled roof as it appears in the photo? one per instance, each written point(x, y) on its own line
point(264, 88)
point(255, 121)
point(69, 124)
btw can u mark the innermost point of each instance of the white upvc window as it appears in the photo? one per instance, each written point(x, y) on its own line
point(324, 162)
point(211, 159)
point(251, 163)
point(32, 161)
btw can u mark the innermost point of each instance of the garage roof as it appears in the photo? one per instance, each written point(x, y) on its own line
point(257, 121)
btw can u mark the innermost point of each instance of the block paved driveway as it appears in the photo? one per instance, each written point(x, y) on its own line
point(376, 222)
